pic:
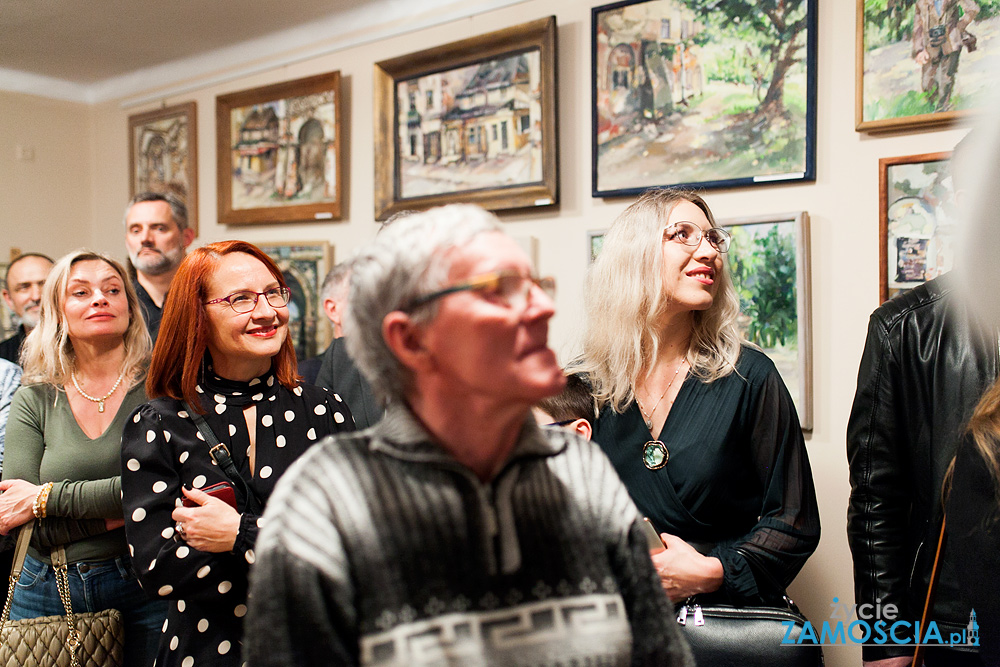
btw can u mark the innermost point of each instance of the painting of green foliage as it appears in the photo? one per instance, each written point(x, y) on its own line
point(768, 261)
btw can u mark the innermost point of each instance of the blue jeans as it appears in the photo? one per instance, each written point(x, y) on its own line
point(94, 586)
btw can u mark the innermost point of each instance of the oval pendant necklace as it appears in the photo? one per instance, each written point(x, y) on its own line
point(654, 453)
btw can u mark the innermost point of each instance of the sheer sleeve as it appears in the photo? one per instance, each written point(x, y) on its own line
point(788, 529)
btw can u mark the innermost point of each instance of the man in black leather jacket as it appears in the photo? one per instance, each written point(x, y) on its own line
point(924, 368)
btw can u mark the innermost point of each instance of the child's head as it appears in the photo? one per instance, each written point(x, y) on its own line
point(573, 409)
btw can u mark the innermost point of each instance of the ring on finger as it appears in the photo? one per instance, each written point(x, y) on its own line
point(179, 528)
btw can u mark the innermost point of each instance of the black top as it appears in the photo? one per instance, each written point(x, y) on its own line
point(974, 542)
point(161, 450)
point(150, 311)
point(10, 349)
point(738, 473)
point(338, 373)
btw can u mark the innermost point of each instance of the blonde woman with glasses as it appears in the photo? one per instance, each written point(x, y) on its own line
point(84, 364)
point(697, 422)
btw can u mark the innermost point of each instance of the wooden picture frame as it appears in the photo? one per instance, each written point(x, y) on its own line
point(163, 154)
point(473, 121)
point(279, 152)
point(917, 210)
point(716, 97)
point(890, 92)
point(304, 265)
point(770, 266)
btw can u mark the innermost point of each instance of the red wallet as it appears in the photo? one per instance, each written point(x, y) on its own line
point(223, 491)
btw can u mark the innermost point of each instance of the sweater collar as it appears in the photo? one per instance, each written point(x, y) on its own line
point(401, 435)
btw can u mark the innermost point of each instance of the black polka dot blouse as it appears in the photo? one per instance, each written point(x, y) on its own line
point(162, 450)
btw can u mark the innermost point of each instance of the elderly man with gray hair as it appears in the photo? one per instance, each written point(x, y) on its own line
point(455, 531)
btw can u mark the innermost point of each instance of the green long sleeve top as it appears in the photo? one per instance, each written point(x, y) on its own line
point(44, 443)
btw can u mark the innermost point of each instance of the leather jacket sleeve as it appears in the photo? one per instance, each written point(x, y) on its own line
point(877, 516)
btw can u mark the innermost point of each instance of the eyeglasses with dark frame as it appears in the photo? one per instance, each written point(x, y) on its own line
point(245, 301)
point(510, 287)
point(691, 234)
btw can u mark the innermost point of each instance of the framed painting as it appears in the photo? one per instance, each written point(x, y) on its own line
point(917, 213)
point(472, 121)
point(163, 154)
point(595, 241)
point(702, 93)
point(279, 152)
point(922, 62)
point(769, 262)
point(304, 264)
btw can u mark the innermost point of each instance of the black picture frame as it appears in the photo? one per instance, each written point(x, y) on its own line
point(633, 125)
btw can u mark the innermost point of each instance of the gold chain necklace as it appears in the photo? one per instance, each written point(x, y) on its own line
point(648, 418)
point(99, 401)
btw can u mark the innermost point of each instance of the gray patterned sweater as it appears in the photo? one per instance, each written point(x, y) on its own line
point(378, 548)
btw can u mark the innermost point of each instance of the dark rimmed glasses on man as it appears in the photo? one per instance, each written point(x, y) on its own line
point(509, 287)
point(245, 301)
point(691, 234)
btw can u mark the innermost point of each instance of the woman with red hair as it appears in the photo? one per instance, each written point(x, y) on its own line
point(226, 418)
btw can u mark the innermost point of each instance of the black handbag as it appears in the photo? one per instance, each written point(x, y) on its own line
point(727, 636)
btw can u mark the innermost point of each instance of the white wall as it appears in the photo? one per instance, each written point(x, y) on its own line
point(843, 205)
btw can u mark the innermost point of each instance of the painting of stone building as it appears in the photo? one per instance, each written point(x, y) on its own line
point(163, 154)
point(304, 266)
point(284, 152)
point(471, 128)
point(693, 93)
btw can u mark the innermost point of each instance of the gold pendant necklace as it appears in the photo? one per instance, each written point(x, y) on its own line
point(649, 418)
point(99, 401)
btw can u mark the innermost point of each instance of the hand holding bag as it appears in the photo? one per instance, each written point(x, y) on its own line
point(727, 636)
point(75, 640)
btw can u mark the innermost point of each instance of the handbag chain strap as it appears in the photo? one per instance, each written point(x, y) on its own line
point(62, 583)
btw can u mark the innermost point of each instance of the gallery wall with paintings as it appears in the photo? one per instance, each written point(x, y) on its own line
point(821, 142)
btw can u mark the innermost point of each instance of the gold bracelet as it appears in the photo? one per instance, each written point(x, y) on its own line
point(40, 507)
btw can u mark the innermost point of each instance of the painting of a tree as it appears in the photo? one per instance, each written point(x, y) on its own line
point(706, 93)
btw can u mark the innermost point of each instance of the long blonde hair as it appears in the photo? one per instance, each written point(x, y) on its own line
point(984, 427)
point(48, 356)
point(625, 301)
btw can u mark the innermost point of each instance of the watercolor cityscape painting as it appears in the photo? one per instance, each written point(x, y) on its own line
point(713, 93)
point(471, 128)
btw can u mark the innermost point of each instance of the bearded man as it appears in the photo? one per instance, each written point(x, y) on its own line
point(157, 236)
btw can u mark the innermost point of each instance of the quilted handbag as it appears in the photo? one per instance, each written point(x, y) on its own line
point(726, 636)
point(74, 640)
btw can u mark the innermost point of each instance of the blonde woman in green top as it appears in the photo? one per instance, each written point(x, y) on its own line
point(83, 371)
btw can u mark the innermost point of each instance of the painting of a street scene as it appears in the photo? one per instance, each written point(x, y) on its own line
point(769, 263)
point(918, 222)
point(702, 92)
point(471, 128)
point(284, 152)
point(304, 266)
point(924, 60)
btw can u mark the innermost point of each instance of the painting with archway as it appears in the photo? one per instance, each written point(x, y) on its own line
point(163, 154)
point(278, 152)
point(702, 93)
point(304, 265)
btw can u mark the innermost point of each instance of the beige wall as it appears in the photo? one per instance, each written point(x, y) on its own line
point(843, 206)
point(46, 190)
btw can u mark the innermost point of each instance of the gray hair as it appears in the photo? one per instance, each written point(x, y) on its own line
point(178, 209)
point(336, 283)
point(406, 260)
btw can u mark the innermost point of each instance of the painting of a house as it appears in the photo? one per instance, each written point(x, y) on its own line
point(471, 127)
point(284, 152)
point(163, 154)
point(693, 93)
